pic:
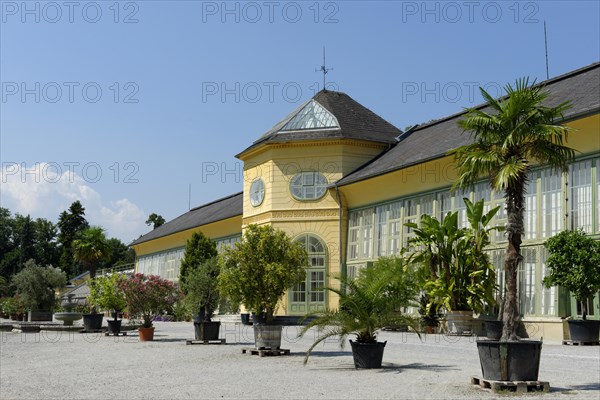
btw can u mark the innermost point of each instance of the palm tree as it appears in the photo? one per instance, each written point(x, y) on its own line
point(91, 248)
point(518, 133)
point(368, 304)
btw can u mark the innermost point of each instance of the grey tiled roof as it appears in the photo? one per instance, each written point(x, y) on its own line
point(435, 139)
point(355, 122)
point(217, 210)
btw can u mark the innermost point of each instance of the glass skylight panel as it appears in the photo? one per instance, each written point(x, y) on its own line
point(312, 116)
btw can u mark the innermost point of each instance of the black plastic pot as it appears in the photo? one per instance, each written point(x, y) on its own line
point(367, 355)
point(245, 318)
point(510, 361)
point(259, 318)
point(92, 322)
point(114, 325)
point(584, 331)
point(207, 330)
point(493, 329)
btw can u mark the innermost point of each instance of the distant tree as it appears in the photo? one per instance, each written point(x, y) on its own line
point(198, 250)
point(36, 285)
point(25, 239)
point(155, 220)
point(91, 249)
point(119, 254)
point(46, 246)
point(71, 223)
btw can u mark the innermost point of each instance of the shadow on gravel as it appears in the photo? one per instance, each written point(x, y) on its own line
point(588, 386)
point(327, 353)
point(425, 367)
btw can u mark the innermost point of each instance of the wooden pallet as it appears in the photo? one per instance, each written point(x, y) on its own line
point(265, 352)
point(107, 333)
point(216, 341)
point(577, 343)
point(511, 386)
point(93, 331)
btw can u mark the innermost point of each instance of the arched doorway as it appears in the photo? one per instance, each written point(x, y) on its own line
point(310, 295)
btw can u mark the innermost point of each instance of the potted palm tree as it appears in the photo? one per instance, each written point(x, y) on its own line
point(574, 264)
point(518, 132)
point(106, 294)
point(461, 278)
point(368, 304)
point(91, 248)
point(148, 297)
point(257, 273)
point(198, 282)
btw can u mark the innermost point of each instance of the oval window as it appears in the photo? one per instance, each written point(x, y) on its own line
point(308, 185)
point(257, 192)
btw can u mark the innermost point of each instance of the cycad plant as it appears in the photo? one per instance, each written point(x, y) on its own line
point(371, 302)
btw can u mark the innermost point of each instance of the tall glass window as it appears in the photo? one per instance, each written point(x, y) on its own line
point(395, 228)
point(381, 215)
point(552, 214)
point(531, 207)
point(353, 234)
point(309, 295)
point(366, 239)
point(527, 281)
point(548, 296)
point(580, 198)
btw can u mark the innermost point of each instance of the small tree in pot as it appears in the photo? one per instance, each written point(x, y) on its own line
point(368, 304)
point(148, 297)
point(257, 273)
point(105, 294)
point(91, 248)
point(36, 287)
point(574, 264)
point(202, 297)
point(198, 250)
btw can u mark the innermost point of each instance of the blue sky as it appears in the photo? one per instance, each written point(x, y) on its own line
point(124, 104)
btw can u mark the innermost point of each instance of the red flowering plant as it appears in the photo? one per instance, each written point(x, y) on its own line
point(148, 296)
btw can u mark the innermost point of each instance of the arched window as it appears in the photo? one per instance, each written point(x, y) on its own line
point(310, 295)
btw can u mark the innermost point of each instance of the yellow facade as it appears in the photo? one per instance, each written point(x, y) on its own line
point(277, 162)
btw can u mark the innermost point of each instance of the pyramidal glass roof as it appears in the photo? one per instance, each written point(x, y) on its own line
point(312, 116)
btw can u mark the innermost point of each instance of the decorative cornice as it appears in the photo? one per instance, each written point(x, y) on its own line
point(292, 215)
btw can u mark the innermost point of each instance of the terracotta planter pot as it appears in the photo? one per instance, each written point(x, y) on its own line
point(146, 334)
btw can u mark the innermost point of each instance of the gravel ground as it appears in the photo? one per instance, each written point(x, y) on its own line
point(61, 365)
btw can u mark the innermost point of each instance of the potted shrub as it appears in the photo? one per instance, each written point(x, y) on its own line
point(148, 297)
point(428, 316)
point(198, 282)
point(367, 305)
point(36, 287)
point(518, 132)
point(257, 273)
point(461, 277)
point(105, 294)
point(90, 249)
point(574, 264)
point(202, 296)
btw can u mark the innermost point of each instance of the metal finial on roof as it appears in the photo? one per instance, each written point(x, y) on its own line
point(324, 69)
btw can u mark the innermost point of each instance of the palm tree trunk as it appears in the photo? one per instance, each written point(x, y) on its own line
point(514, 230)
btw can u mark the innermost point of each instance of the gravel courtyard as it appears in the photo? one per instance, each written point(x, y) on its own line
point(61, 365)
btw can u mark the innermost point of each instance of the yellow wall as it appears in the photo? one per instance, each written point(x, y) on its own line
point(215, 230)
point(440, 173)
point(276, 164)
